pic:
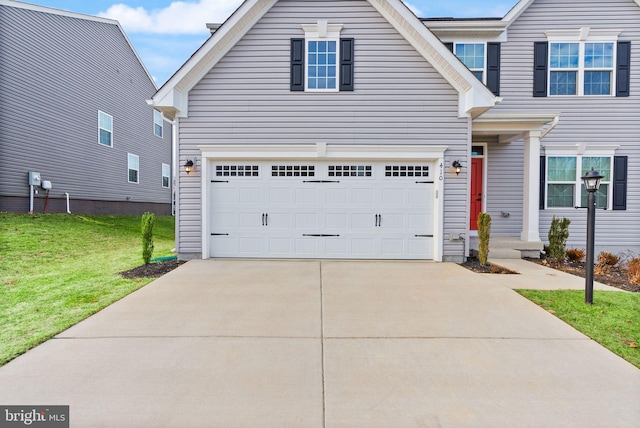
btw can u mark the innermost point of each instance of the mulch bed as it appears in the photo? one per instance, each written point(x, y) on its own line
point(474, 264)
point(151, 270)
point(616, 277)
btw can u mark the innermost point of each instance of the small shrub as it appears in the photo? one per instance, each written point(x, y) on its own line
point(633, 271)
point(606, 261)
point(148, 220)
point(575, 255)
point(558, 235)
point(484, 232)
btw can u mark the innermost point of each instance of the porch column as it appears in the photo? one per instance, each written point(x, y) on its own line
point(531, 193)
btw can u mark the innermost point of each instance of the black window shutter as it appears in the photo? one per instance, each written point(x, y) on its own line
point(540, 59)
point(448, 45)
point(620, 182)
point(297, 65)
point(543, 181)
point(623, 69)
point(493, 67)
point(346, 64)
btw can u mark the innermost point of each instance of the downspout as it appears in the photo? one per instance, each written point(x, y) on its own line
point(67, 195)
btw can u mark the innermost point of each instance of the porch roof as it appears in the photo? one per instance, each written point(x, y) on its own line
point(509, 127)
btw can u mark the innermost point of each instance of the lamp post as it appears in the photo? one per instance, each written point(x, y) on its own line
point(591, 182)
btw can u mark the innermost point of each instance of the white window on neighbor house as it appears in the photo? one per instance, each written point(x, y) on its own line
point(157, 123)
point(564, 183)
point(166, 175)
point(133, 162)
point(473, 56)
point(105, 129)
point(582, 62)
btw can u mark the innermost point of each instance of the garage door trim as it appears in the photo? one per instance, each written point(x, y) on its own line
point(323, 152)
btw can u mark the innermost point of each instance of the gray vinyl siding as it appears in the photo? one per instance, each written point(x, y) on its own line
point(583, 120)
point(56, 72)
point(398, 99)
point(505, 183)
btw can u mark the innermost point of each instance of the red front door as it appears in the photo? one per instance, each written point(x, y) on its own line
point(476, 192)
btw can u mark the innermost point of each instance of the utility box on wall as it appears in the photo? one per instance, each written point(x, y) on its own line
point(34, 178)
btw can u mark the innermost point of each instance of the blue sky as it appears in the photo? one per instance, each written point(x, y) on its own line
point(166, 32)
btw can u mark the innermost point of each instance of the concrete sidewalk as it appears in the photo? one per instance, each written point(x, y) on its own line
point(237, 343)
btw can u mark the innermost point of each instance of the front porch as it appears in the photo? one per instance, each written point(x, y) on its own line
point(508, 248)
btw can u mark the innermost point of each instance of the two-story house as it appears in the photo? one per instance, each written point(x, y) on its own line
point(354, 129)
point(74, 117)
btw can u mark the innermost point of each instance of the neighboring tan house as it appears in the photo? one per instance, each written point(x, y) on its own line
point(73, 109)
point(350, 129)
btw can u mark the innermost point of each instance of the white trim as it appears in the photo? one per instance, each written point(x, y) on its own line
point(474, 97)
point(323, 152)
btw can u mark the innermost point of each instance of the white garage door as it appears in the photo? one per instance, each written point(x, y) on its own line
point(375, 210)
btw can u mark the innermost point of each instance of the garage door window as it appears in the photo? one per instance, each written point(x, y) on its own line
point(237, 171)
point(293, 171)
point(349, 170)
point(406, 171)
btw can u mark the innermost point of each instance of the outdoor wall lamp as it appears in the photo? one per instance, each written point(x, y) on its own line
point(458, 166)
point(591, 182)
point(189, 167)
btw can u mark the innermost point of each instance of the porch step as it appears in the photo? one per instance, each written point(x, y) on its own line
point(504, 253)
point(510, 248)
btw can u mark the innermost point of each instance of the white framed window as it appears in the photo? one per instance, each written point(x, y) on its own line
point(565, 188)
point(133, 165)
point(582, 62)
point(166, 175)
point(105, 129)
point(322, 56)
point(157, 123)
point(473, 55)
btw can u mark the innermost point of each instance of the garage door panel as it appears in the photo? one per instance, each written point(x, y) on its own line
point(363, 247)
point(361, 221)
point(280, 196)
point(365, 196)
point(308, 222)
point(268, 212)
point(336, 221)
point(336, 196)
point(250, 195)
point(306, 196)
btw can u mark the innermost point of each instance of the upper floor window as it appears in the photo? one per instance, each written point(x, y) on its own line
point(133, 162)
point(322, 65)
point(157, 123)
point(582, 62)
point(105, 129)
point(322, 61)
point(473, 56)
point(581, 68)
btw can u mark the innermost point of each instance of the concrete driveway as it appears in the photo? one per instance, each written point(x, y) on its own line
point(238, 343)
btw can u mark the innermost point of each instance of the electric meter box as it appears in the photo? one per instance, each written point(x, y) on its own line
point(34, 178)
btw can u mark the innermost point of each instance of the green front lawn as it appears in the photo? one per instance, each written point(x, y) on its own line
point(613, 320)
point(57, 269)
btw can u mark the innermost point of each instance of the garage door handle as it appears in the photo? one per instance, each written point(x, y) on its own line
point(321, 181)
point(265, 219)
point(424, 236)
point(317, 235)
point(378, 220)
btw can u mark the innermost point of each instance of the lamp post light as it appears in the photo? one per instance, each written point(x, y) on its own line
point(591, 182)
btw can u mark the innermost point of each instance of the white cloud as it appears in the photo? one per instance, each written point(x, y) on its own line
point(180, 17)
